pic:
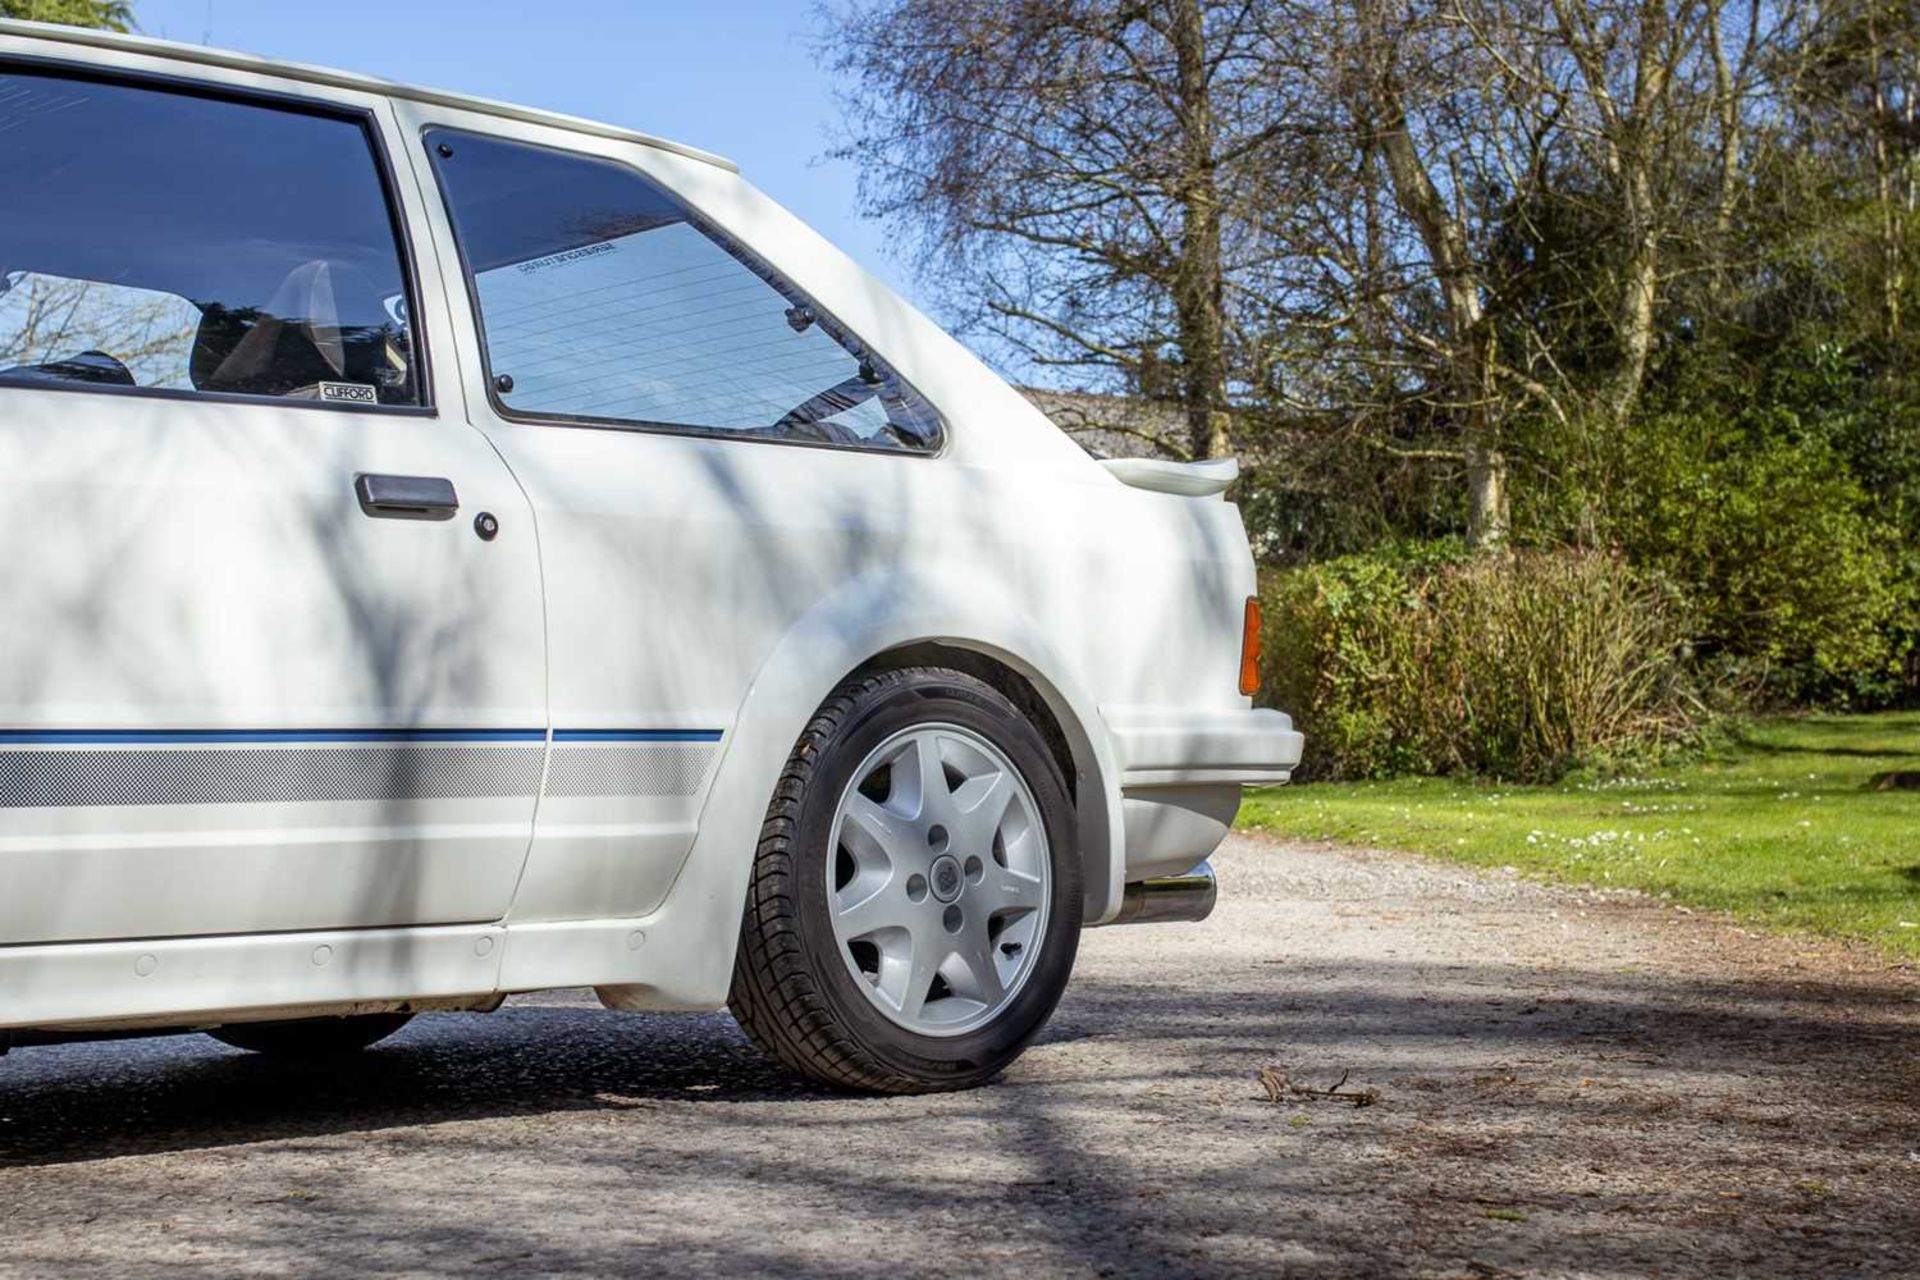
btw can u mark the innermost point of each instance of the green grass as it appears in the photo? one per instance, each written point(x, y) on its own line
point(1778, 827)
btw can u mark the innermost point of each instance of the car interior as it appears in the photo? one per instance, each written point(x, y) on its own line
point(276, 271)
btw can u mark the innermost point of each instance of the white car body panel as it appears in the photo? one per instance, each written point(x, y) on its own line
point(670, 608)
point(188, 567)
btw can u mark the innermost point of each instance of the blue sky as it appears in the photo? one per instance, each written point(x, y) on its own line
point(734, 76)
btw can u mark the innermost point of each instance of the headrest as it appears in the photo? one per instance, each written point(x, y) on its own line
point(294, 341)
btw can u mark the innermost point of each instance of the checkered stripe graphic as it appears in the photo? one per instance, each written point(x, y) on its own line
point(646, 769)
point(243, 775)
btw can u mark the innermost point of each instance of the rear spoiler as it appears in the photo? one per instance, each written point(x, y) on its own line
point(1188, 479)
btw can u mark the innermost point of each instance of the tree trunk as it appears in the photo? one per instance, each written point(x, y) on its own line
point(1892, 228)
point(1469, 344)
point(1640, 280)
point(1727, 89)
point(1631, 137)
point(1634, 141)
point(1199, 288)
point(1487, 518)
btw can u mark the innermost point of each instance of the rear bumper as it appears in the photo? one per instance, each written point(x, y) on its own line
point(1186, 748)
point(1180, 779)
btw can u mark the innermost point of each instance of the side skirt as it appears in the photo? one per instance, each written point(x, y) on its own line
point(199, 981)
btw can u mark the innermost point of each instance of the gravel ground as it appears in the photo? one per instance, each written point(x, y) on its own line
point(1568, 1084)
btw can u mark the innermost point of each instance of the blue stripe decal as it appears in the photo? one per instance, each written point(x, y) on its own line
point(220, 737)
point(636, 735)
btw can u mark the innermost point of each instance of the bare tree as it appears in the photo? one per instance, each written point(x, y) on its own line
point(1077, 175)
point(1446, 145)
point(1391, 46)
point(1633, 58)
point(1348, 236)
point(1891, 88)
point(1870, 55)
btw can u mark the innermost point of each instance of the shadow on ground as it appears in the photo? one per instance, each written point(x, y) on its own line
point(82, 1102)
point(1566, 1086)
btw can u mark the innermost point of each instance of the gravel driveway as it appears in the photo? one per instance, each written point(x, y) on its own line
point(1567, 1084)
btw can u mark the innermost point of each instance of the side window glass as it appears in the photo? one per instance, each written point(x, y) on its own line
point(166, 240)
point(604, 299)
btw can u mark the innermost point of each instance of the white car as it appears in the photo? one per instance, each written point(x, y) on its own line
point(449, 549)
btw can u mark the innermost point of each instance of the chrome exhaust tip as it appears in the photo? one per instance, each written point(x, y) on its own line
point(1165, 899)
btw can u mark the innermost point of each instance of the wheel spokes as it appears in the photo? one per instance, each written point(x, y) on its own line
point(867, 913)
point(907, 972)
point(972, 970)
point(939, 890)
point(981, 804)
point(1015, 892)
point(917, 783)
point(875, 833)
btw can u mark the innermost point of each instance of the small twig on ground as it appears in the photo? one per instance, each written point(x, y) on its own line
point(1279, 1088)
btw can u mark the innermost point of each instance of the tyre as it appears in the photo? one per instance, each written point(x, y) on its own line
point(915, 902)
point(312, 1037)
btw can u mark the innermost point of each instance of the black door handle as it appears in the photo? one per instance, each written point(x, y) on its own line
point(406, 497)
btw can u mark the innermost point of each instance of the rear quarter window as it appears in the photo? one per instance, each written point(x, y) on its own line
point(604, 299)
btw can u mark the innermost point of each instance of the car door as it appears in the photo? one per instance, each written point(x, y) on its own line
point(271, 652)
point(708, 453)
